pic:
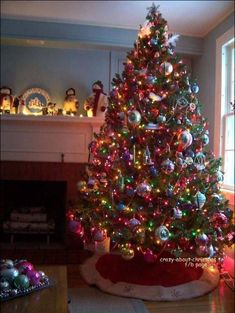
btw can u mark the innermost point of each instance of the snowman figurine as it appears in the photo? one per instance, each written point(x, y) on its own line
point(96, 104)
point(6, 101)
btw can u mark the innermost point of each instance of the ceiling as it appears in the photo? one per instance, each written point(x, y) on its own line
point(192, 18)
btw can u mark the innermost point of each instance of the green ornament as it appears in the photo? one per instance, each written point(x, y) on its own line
point(21, 282)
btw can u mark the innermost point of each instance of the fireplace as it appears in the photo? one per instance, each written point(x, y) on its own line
point(31, 209)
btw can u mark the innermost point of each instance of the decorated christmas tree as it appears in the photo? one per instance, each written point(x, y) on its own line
point(152, 183)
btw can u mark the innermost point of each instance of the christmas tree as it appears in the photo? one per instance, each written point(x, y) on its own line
point(152, 183)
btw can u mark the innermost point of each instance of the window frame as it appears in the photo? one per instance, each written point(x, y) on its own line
point(222, 112)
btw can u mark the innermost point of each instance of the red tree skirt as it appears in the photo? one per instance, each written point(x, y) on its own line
point(160, 281)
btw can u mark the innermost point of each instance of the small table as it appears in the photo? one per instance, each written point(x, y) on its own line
point(49, 300)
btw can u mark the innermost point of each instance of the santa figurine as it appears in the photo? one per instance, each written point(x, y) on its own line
point(71, 102)
point(96, 104)
point(6, 101)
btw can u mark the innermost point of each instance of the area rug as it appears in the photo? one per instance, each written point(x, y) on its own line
point(160, 281)
point(92, 300)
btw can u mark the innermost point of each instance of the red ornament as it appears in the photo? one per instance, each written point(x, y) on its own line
point(219, 220)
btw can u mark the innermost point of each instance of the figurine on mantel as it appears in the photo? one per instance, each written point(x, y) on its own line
point(96, 104)
point(71, 102)
point(6, 100)
point(18, 104)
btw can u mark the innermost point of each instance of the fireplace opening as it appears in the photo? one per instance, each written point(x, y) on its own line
point(33, 211)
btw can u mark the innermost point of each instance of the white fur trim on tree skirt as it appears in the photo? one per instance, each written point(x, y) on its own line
point(207, 282)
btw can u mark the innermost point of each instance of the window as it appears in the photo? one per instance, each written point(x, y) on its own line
point(224, 113)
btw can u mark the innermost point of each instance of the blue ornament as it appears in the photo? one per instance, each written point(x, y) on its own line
point(200, 199)
point(194, 88)
point(9, 274)
point(169, 191)
point(189, 153)
point(130, 192)
point(217, 198)
point(219, 177)
point(121, 206)
point(153, 171)
point(133, 223)
point(202, 239)
point(151, 79)
point(228, 213)
point(167, 166)
point(205, 139)
point(154, 42)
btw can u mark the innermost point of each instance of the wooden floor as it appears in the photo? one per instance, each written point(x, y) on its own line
point(221, 300)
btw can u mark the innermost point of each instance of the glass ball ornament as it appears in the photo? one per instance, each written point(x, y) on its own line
point(134, 117)
point(162, 233)
point(205, 139)
point(167, 166)
point(121, 206)
point(21, 282)
point(219, 220)
point(76, 227)
point(216, 198)
point(133, 223)
point(219, 177)
point(9, 274)
point(34, 277)
point(169, 191)
point(24, 266)
point(153, 171)
point(143, 189)
point(199, 161)
point(166, 68)
point(199, 199)
point(6, 263)
point(127, 253)
point(195, 88)
point(202, 239)
point(185, 139)
point(99, 235)
point(154, 42)
point(182, 102)
point(4, 284)
point(161, 119)
point(149, 256)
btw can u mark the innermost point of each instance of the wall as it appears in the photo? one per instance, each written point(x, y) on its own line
point(204, 70)
point(57, 56)
point(54, 70)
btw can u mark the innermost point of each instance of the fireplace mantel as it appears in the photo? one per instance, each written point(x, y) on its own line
point(47, 138)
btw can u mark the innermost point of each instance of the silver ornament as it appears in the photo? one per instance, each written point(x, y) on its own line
point(162, 233)
point(134, 117)
point(143, 189)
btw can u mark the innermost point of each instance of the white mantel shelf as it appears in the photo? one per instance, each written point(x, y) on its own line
point(46, 138)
